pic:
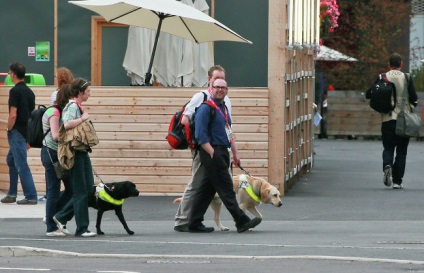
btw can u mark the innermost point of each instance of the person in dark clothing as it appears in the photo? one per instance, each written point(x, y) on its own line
point(324, 111)
point(21, 104)
point(394, 167)
point(81, 173)
point(215, 140)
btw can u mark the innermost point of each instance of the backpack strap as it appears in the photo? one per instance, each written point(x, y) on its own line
point(211, 118)
point(384, 77)
point(57, 107)
point(205, 96)
point(405, 91)
point(212, 112)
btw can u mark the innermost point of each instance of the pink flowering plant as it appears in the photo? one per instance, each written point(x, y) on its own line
point(329, 14)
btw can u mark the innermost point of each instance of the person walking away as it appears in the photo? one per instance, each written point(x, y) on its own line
point(181, 217)
point(324, 111)
point(394, 167)
point(55, 199)
point(21, 104)
point(81, 174)
point(215, 139)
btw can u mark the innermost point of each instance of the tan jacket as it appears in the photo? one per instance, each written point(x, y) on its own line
point(80, 138)
point(398, 78)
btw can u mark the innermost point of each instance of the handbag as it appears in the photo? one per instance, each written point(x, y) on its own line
point(407, 124)
point(61, 173)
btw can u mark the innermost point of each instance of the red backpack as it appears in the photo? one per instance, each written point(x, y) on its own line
point(176, 137)
point(181, 136)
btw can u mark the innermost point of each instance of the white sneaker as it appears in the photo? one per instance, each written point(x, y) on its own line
point(88, 234)
point(65, 231)
point(44, 219)
point(397, 186)
point(61, 227)
point(56, 233)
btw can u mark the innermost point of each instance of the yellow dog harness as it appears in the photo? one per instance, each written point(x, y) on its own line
point(244, 183)
point(250, 192)
point(102, 194)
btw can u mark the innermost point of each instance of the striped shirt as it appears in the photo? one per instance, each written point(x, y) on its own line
point(48, 140)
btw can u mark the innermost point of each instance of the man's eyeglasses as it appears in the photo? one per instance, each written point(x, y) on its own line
point(220, 87)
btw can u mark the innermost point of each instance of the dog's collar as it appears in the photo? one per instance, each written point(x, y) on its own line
point(250, 192)
point(102, 194)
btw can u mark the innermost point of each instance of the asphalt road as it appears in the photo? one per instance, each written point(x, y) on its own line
point(337, 218)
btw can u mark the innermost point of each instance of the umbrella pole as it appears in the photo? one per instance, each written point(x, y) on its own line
point(148, 76)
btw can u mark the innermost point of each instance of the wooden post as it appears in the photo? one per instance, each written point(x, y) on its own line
point(276, 73)
point(55, 61)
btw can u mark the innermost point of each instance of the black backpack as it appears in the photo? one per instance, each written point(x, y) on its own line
point(35, 134)
point(382, 95)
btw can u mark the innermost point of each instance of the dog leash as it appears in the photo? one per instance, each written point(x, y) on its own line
point(98, 177)
point(101, 181)
point(259, 193)
point(241, 168)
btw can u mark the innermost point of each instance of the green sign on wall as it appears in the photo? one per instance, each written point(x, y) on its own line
point(42, 51)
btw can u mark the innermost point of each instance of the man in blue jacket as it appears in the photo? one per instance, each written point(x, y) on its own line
point(215, 140)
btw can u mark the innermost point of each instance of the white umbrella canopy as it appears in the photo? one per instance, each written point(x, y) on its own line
point(168, 16)
point(178, 61)
point(328, 54)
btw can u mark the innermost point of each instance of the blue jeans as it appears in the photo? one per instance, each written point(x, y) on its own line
point(18, 166)
point(55, 199)
point(82, 185)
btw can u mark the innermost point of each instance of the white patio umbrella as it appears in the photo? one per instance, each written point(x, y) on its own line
point(139, 49)
point(178, 61)
point(328, 54)
point(168, 16)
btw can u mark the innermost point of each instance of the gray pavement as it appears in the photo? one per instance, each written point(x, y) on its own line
point(339, 213)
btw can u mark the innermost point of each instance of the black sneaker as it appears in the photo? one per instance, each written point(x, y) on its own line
point(27, 202)
point(387, 176)
point(251, 224)
point(8, 199)
point(181, 228)
point(201, 229)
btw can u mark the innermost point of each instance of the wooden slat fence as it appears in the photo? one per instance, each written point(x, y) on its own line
point(349, 114)
point(131, 123)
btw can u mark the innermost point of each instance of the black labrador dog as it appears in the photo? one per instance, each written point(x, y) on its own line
point(112, 198)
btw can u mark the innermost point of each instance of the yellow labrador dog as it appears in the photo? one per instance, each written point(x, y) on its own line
point(250, 191)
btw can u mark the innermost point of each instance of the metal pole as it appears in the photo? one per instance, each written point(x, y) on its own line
point(149, 74)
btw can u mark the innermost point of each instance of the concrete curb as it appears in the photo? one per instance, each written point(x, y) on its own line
point(23, 251)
